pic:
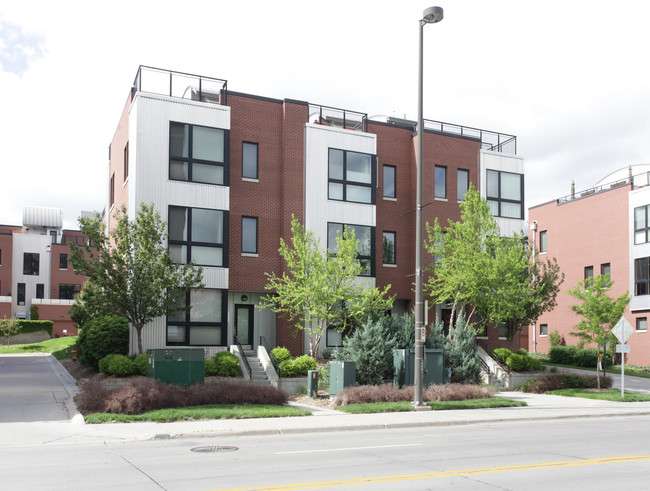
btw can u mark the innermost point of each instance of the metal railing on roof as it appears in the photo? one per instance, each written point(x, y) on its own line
point(181, 85)
point(339, 118)
point(585, 193)
point(490, 140)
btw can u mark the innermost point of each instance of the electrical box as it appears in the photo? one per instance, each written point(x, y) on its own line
point(342, 374)
point(176, 366)
point(433, 365)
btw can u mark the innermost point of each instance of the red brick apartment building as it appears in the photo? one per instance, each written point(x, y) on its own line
point(602, 230)
point(227, 171)
point(34, 269)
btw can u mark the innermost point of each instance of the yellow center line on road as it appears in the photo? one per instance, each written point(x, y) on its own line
point(443, 474)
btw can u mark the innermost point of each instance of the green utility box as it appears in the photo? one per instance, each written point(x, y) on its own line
point(312, 383)
point(176, 366)
point(404, 364)
point(342, 374)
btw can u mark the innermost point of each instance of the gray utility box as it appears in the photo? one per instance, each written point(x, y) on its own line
point(312, 383)
point(404, 364)
point(342, 374)
point(176, 366)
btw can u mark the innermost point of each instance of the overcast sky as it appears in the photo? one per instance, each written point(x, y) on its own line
point(568, 78)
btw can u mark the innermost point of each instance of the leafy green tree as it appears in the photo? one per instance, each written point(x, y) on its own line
point(598, 310)
point(88, 304)
point(9, 327)
point(320, 288)
point(132, 273)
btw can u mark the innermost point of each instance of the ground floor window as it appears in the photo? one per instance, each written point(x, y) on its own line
point(67, 292)
point(334, 338)
point(642, 324)
point(205, 324)
point(543, 329)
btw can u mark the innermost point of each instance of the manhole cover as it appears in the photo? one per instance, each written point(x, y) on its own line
point(214, 449)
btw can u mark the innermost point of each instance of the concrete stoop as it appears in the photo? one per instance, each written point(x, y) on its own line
point(498, 376)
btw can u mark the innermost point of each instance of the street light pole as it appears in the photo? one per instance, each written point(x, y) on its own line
point(430, 16)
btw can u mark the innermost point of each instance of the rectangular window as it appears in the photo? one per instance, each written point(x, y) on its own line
point(68, 292)
point(351, 176)
point(543, 241)
point(40, 290)
point(543, 329)
point(63, 261)
point(462, 184)
point(606, 270)
point(440, 182)
point(204, 324)
point(505, 194)
point(641, 276)
point(111, 191)
point(53, 235)
point(126, 161)
point(641, 227)
point(249, 235)
point(365, 235)
point(389, 181)
point(641, 323)
point(0, 257)
point(589, 274)
point(31, 263)
point(249, 160)
point(198, 154)
point(389, 247)
point(198, 235)
point(334, 338)
point(20, 294)
point(503, 331)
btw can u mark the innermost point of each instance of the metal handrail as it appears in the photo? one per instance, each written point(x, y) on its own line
point(243, 357)
point(274, 362)
point(497, 359)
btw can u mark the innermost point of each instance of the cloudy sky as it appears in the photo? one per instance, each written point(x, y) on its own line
point(568, 78)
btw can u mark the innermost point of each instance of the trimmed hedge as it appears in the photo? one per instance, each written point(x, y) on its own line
point(521, 361)
point(281, 354)
point(572, 355)
point(227, 364)
point(35, 326)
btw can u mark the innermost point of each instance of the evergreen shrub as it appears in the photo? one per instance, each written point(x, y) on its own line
point(102, 336)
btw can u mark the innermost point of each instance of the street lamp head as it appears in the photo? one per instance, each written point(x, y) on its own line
point(432, 15)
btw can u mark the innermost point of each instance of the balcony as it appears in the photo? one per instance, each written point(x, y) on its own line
point(181, 85)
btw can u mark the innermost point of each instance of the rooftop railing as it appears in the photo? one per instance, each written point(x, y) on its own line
point(338, 118)
point(181, 85)
point(638, 180)
point(490, 140)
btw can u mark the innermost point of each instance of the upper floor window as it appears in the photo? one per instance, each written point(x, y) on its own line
point(20, 294)
point(366, 249)
point(606, 270)
point(543, 329)
point(440, 182)
point(126, 161)
point(641, 226)
point(589, 275)
point(63, 261)
point(31, 263)
point(543, 241)
point(389, 181)
point(642, 276)
point(351, 176)
point(641, 323)
point(249, 235)
point(198, 235)
point(389, 247)
point(111, 191)
point(505, 194)
point(462, 184)
point(67, 292)
point(197, 154)
point(40, 290)
point(249, 160)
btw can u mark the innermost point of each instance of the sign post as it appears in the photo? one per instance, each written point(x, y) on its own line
point(623, 330)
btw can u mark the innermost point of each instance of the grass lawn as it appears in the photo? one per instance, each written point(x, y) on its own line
point(217, 411)
point(604, 394)
point(59, 347)
point(393, 407)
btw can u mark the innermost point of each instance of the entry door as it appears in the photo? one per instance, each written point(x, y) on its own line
point(244, 325)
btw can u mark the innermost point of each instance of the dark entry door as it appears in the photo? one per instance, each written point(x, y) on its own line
point(244, 325)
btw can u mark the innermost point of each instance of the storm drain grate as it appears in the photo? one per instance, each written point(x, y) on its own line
point(213, 449)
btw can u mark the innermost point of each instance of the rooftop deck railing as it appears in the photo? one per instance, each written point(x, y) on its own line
point(181, 85)
point(339, 118)
point(490, 140)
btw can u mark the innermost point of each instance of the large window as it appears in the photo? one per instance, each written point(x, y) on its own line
point(198, 154)
point(505, 194)
point(351, 176)
point(204, 324)
point(462, 184)
point(543, 241)
point(249, 235)
point(389, 181)
point(198, 235)
point(366, 237)
point(440, 182)
point(67, 292)
point(389, 248)
point(249, 160)
point(641, 276)
point(641, 226)
point(31, 263)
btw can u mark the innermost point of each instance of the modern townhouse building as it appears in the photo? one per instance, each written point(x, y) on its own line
point(34, 268)
point(228, 170)
point(601, 230)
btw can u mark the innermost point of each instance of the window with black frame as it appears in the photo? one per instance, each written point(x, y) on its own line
point(641, 225)
point(505, 194)
point(31, 261)
point(198, 154)
point(642, 276)
point(205, 324)
point(366, 249)
point(198, 235)
point(351, 176)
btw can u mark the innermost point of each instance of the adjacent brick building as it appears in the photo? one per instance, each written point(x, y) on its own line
point(228, 170)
